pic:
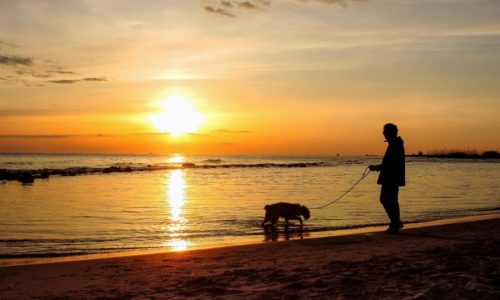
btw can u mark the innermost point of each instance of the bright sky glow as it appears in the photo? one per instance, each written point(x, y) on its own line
point(248, 77)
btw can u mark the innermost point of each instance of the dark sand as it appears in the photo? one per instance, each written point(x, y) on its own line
point(450, 261)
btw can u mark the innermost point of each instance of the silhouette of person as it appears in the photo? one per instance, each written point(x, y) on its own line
point(392, 176)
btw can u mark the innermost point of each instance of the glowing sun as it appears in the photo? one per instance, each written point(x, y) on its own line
point(178, 116)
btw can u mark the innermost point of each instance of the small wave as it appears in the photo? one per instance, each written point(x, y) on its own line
point(132, 165)
point(77, 252)
point(213, 161)
point(59, 241)
point(17, 163)
point(353, 162)
point(310, 228)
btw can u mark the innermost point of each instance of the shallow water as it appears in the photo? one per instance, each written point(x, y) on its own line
point(182, 208)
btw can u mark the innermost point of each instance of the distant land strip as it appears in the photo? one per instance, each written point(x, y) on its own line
point(458, 154)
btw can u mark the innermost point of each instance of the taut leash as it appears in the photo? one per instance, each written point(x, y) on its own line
point(365, 174)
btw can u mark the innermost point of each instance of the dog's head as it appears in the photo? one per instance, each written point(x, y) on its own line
point(304, 211)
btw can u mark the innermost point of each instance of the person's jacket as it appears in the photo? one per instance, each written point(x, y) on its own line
point(392, 169)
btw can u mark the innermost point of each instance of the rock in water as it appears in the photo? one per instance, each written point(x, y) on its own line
point(26, 178)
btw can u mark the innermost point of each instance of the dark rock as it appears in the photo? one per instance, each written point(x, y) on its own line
point(8, 175)
point(44, 174)
point(110, 169)
point(68, 173)
point(26, 177)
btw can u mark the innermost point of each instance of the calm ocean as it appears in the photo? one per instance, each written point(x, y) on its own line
point(220, 203)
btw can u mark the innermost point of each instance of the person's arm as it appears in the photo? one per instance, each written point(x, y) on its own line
point(375, 167)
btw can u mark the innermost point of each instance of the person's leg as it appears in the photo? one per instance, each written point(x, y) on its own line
point(384, 196)
point(396, 218)
point(389, 199)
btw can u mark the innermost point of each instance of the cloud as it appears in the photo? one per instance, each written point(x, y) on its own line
point(29, 74)
point(29, 84)
point(228, 7)
point(35, 136)
point(94, 79)
point(72, 81)
point(62, 72)
point(219, 11)
point(14, 60)
point(340, 2)
point(64, 81)
point(247, 5)
point(50, 136)
point(31, 78)
point(227, 4)
point(343, 3)
point(9, 79)
point(34, 74)
point(24, 112)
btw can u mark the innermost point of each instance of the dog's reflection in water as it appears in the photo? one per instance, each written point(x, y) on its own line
point(272, 234)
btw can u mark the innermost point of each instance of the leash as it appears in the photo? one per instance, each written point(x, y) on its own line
point(365, 174)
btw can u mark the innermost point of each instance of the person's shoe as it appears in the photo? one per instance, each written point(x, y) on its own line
point(392, 230)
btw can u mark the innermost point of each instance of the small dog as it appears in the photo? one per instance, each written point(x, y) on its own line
point(285, 210)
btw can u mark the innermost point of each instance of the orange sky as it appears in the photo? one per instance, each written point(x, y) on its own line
point(268, 77)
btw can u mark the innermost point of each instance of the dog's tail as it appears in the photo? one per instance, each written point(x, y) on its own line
point(266, 207)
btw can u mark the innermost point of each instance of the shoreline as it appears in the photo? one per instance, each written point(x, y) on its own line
point(446, 259)
point(368, 230)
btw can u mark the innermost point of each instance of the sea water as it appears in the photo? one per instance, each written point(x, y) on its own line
point(199, 201)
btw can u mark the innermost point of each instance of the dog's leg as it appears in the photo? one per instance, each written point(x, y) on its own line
point(274, 220)
point(286, 224)
point(266, 218)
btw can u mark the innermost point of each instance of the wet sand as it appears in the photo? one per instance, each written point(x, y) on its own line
point(441, 260)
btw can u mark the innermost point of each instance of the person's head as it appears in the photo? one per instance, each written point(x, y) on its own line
point(390, 131)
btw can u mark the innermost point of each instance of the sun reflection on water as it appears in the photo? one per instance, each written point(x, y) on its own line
point(176, 159)
point(176, 194)
point(176, 198)
point(177, 244)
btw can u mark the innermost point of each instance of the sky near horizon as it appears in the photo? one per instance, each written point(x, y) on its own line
point(263, 76)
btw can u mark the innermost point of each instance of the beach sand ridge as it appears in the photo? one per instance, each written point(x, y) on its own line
point(452, 261)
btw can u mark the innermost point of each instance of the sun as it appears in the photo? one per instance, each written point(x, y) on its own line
point(178, 116)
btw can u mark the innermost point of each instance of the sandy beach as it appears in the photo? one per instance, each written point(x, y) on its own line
point(456, 259)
